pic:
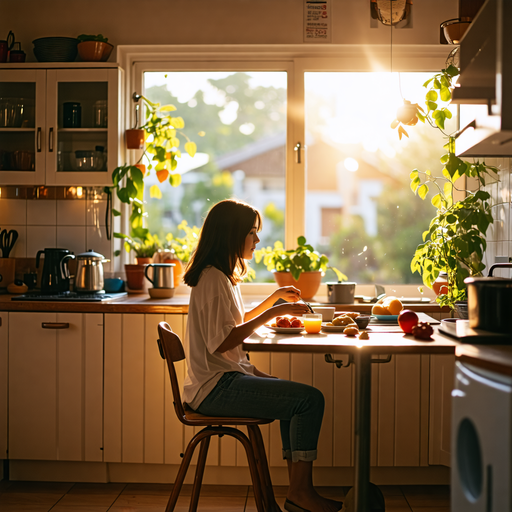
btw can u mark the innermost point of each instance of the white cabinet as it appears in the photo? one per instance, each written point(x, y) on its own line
point(56, 386)
point(37, 144)
point(4, 326)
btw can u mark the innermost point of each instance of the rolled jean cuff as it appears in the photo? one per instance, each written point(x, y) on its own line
point(287, 455)
point(304, 456)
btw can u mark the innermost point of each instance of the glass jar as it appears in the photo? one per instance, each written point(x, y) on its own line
point(100, 114)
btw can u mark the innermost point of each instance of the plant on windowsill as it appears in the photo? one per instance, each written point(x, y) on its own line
point(455, 241)
point(302, 267)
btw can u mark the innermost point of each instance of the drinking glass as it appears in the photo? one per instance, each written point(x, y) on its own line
point(312, 322)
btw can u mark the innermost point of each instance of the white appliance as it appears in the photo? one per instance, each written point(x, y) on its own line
point(481, 477)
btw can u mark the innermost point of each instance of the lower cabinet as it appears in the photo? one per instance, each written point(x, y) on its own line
point(56, 386)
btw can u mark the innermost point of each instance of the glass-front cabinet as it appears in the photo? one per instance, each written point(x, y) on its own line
point(59, 126)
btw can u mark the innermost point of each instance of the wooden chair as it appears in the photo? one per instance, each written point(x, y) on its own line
point(171, 349)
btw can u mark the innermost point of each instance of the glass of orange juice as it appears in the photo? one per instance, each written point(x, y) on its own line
point(312, 322)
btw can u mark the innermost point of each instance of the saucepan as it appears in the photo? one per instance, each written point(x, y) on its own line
point(490, 301)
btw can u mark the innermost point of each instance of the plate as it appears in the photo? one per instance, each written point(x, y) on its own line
point(334, 328)
point(286, 330)
point(386, 318)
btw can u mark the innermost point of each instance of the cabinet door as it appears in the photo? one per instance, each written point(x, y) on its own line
point(140, 423)
point(22, 126)
point(82, 122)
point(442, 374)
point(55, 386)
point(4, 326)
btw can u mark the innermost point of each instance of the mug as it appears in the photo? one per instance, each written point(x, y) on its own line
point(4, 49)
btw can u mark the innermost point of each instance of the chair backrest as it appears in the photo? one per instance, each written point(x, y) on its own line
point(171, 349)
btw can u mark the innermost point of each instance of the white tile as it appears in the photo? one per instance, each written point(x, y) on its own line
point(96, 212)
point(13, 212)
point(71, 238)
point(41, 212)
point(71, 212)
point(40, 237)
point(19, 249)
point(97, 241)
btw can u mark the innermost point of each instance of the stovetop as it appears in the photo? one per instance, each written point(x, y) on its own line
point(70, 297)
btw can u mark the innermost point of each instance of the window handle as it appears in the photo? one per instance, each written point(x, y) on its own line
point(297, 149)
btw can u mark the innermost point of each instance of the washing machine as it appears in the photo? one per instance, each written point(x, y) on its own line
point(481, 476)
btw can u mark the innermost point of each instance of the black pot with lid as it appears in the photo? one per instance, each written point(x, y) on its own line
point(490, 302)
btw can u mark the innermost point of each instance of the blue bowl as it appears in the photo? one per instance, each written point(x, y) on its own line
point(114, 285)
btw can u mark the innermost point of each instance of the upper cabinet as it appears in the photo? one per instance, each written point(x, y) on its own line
point(59, 126)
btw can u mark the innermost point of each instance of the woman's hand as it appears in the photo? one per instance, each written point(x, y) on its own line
point(293, 309)
point(287, 293)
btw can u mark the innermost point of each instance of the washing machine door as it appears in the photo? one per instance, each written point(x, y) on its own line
point(481, 441)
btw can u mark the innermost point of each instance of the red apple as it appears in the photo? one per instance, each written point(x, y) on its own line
point(407, 319)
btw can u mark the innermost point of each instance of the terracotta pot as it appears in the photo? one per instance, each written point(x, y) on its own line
point(308, 282)
point(135, 138)
point(134, 276)
point(93, 51)
point(143, 261)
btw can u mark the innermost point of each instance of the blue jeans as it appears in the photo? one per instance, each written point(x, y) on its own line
point(299, 408)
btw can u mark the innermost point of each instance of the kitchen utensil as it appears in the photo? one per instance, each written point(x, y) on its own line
point(341, 293)
point(17, 54)
point(55, 277)
point(100, 114)
point(114, 285)
point(489, 301)
point(7, 241)
point(87, 161)
point(89, 271)
point(163, 275)
point(326, 312)
point(308, 305)
point(161, 293)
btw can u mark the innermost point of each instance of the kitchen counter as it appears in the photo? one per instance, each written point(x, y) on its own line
point(496, 358)
point(142, 303)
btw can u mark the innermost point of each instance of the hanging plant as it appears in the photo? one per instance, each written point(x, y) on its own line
point(163, 133)
point(455, 241)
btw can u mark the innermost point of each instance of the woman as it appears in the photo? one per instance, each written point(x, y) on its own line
point(221, 381)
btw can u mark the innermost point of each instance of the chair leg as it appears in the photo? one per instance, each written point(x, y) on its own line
point(253, 467)
point(180, 477)
point(261, 461)
point(198, 479)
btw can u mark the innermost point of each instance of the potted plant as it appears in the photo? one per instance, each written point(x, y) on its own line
point(161, 150)
point(94, 48)
point(144, 250)
point(302, 267)
point(455, 241)
point(178, 250)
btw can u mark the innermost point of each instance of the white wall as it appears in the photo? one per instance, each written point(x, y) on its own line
point(210, 21)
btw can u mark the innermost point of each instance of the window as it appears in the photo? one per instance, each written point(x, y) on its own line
point(350, 193)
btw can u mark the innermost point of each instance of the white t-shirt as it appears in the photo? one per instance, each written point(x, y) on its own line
point(215, 307)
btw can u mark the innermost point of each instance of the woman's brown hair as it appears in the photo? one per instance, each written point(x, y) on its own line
point(222, 241)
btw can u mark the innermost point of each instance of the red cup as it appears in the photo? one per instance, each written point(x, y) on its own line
point(17, 56)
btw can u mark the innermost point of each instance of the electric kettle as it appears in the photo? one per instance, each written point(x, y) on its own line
point(55, 277)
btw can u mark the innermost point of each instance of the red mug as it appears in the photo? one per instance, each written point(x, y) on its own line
point(3, 51)
point(17, 56)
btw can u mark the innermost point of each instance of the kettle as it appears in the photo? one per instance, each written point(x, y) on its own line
point(89, 271)
point(55, 276)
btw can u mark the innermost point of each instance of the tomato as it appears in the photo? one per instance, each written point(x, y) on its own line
point(407, 319)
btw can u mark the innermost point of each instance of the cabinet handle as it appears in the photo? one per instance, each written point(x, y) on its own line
point(38, 139)
point(297, 149)
point(50, 141)
point(55, 325)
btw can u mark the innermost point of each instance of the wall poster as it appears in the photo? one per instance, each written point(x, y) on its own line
point(317, 21)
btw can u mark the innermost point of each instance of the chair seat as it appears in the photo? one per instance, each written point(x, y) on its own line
point(193, 417)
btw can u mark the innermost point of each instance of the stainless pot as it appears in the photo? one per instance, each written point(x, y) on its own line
point(490, 302)
point(89, 271)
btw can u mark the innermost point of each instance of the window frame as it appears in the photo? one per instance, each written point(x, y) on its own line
point(296, 60)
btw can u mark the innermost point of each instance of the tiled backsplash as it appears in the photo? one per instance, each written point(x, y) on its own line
point(75, 224)
point(499, 234)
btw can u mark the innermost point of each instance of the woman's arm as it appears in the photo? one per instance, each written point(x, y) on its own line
point(288, 293)
point(239, 333)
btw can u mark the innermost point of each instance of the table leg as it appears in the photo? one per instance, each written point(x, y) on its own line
point(363, 369)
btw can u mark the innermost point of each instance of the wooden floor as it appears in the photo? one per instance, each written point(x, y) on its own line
point(68, 497)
